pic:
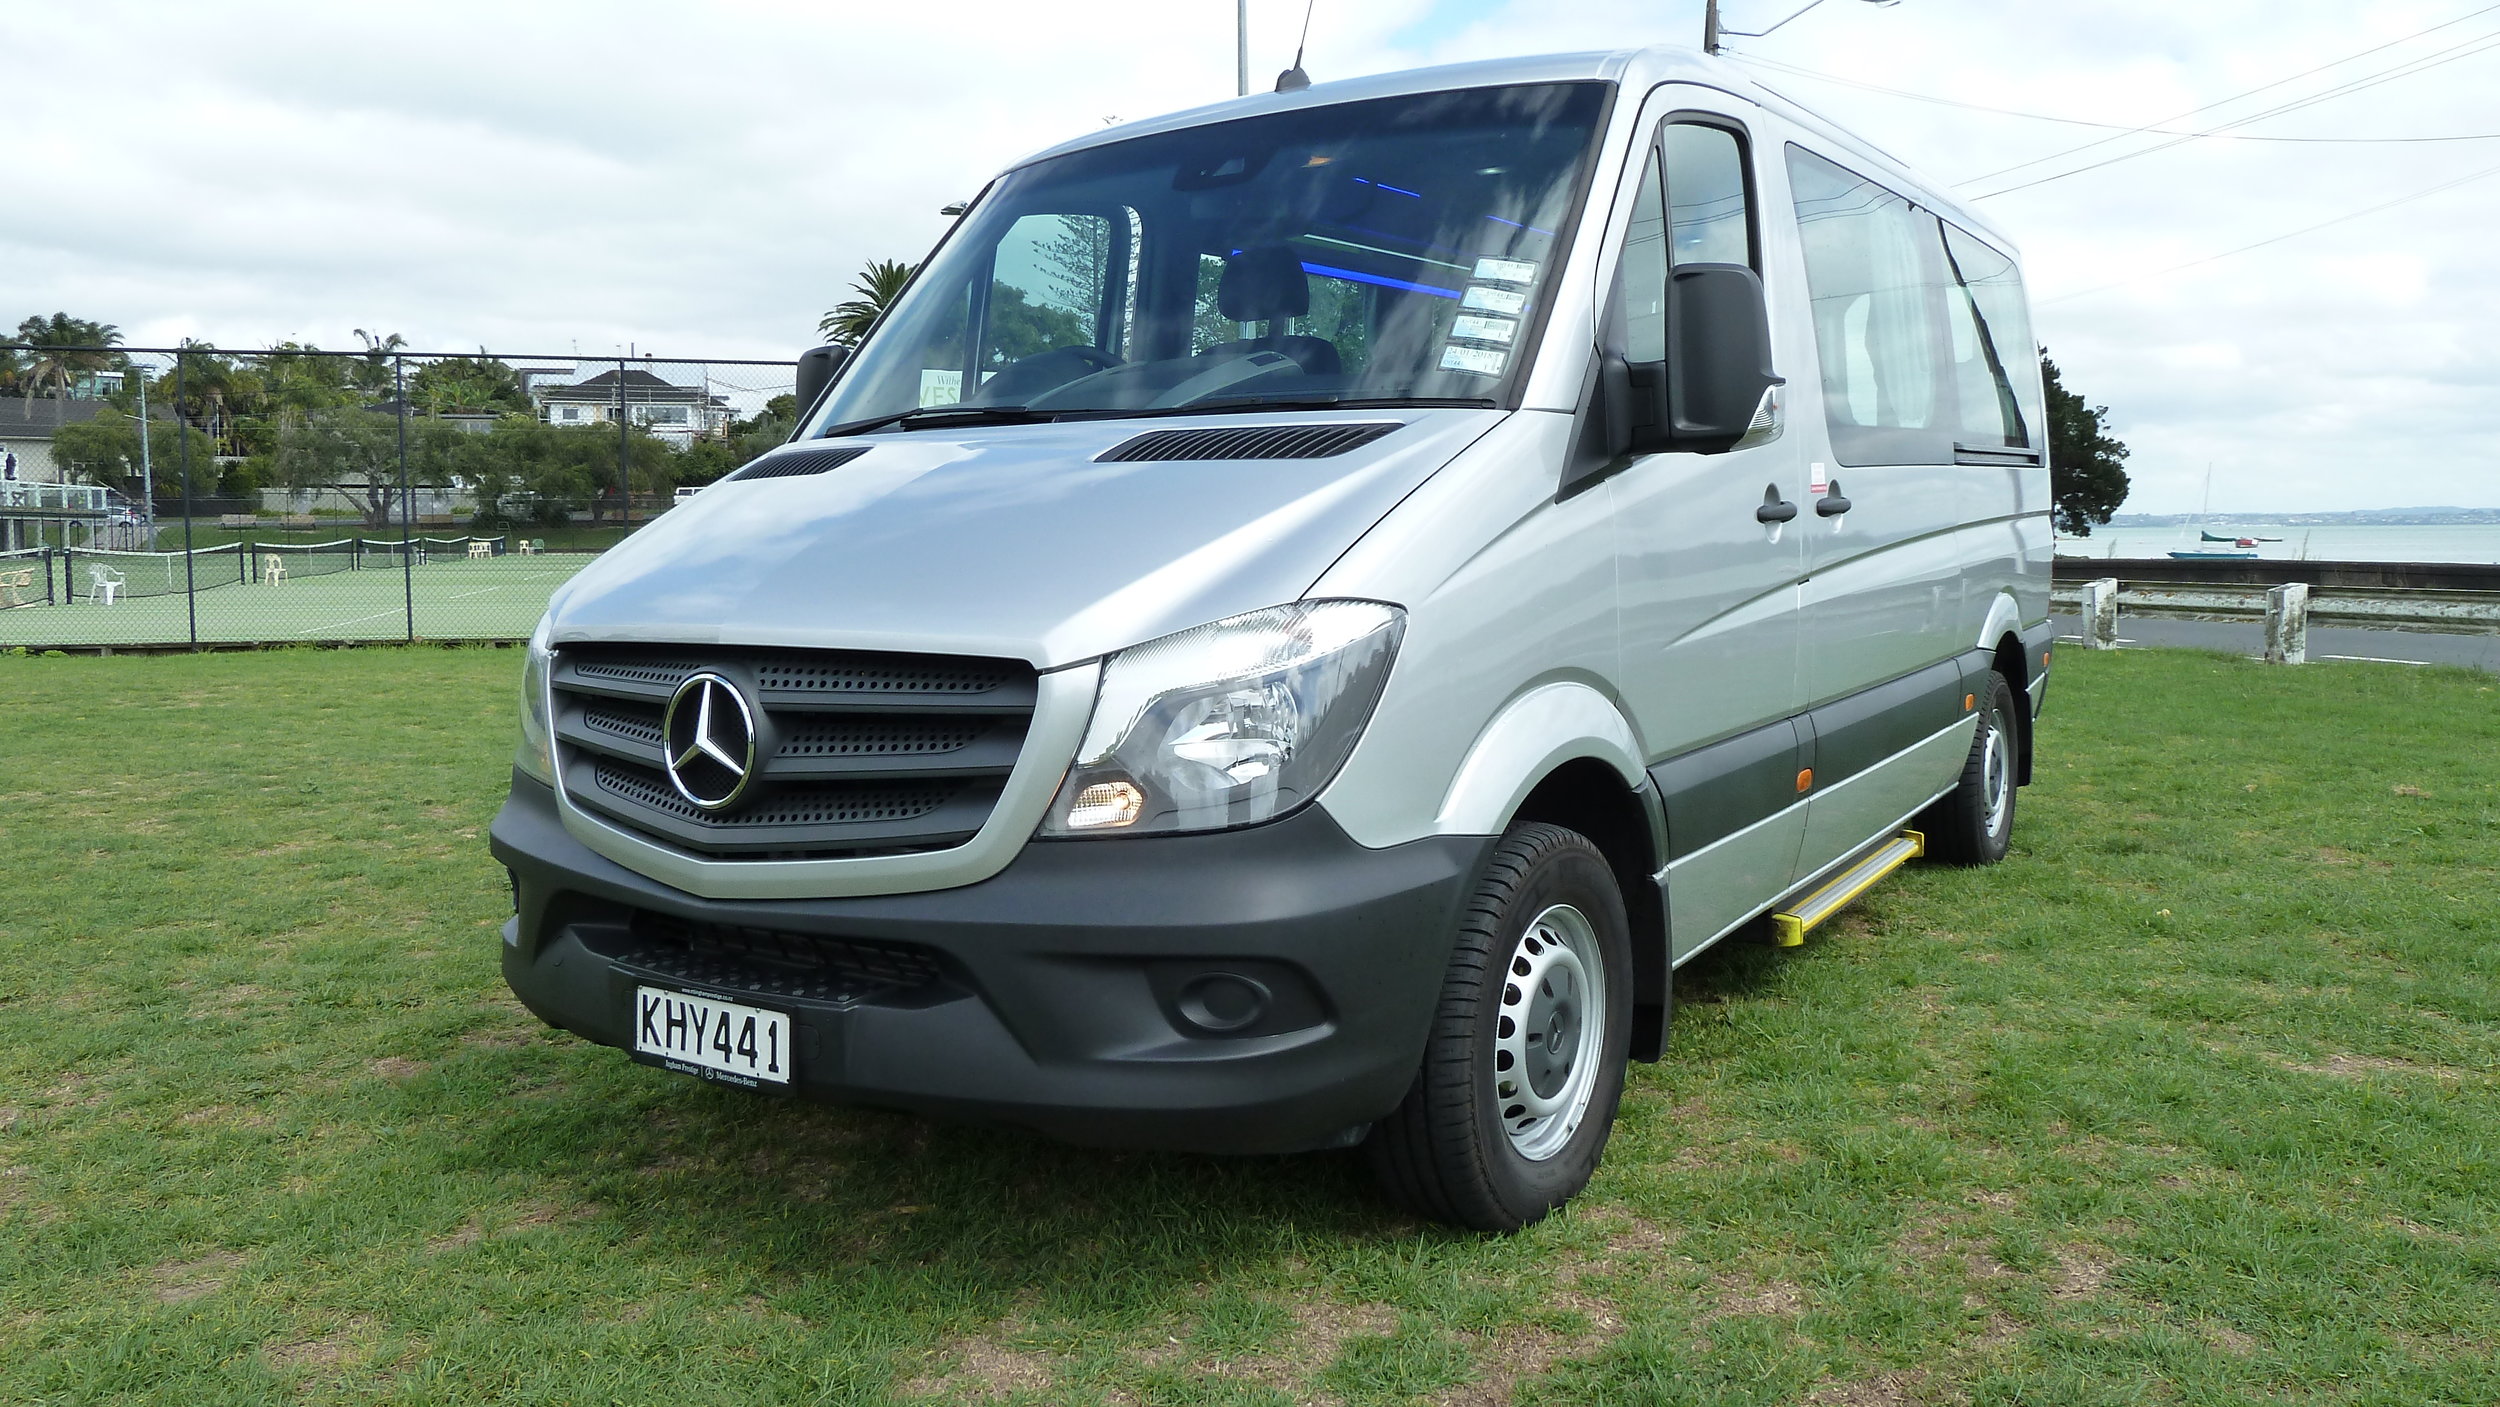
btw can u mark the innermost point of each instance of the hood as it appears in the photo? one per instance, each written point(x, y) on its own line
point(1004, 540)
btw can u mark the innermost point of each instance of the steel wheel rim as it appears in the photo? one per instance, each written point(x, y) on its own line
point(1998, 777)
point(1549, 1032)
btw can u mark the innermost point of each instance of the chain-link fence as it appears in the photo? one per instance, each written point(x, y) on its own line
point(192, 496)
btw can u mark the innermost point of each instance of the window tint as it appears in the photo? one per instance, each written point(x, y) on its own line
point(1641, 281)
point(1874, 272)
point(1996, 371)
point(1708, 219)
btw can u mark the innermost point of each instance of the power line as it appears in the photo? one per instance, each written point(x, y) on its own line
point(2468, 50)
point(2218, 134)
point(2262, 88)
point(2450, 185)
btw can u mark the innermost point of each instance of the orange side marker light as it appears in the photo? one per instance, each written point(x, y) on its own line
point(1805, 780)
point(1969, 702)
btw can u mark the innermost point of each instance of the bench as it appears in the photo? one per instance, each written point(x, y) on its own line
point(299, 522)
point(237, 520)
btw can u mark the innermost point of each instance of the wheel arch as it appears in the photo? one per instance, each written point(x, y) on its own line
point(2002, 638)
point(1564, 754)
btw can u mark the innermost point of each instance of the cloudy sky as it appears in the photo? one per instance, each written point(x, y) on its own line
point(704, 177)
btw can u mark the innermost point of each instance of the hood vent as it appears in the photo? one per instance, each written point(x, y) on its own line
point(1325, 441)
point(789, 463)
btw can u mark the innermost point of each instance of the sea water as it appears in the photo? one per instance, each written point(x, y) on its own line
point(2337, 542)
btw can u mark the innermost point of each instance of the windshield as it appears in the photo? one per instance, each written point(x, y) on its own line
point(1391, 250)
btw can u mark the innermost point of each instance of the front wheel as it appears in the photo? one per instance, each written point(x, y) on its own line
point(1974, 823)
point(1524, 1065)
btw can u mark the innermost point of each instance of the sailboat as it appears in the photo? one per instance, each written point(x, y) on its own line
point(2241, 549)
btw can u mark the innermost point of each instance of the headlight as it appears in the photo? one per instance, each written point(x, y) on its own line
point(1228, 724)
point(536, 754)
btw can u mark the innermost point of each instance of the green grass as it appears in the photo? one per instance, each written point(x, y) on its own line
point(498, 598)
point(2190, 1101)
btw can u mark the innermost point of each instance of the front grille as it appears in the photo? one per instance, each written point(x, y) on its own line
point(865, 960)
point(858, 753)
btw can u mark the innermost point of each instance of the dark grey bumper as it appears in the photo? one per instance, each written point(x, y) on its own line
point(1057, 994)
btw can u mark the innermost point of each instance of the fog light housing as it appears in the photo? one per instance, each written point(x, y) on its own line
point(1222, 1002)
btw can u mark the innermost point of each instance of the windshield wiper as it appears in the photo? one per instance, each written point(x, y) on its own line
point(920, 417)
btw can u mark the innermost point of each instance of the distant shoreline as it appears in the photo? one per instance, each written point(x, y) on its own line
point(2359, 518)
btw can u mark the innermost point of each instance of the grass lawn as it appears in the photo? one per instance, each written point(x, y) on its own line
point(2192, 1100)
point(456, 599)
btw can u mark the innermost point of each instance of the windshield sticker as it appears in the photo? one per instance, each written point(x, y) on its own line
point(1477, 329)
point(1506, 270)
point(1510, 303)
point(1475, 361)
point(941, 388)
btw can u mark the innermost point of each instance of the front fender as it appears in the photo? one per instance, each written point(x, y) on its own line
point(1535, 733)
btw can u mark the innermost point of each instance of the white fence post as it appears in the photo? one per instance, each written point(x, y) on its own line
point(2100, 614)
point(2287, 624)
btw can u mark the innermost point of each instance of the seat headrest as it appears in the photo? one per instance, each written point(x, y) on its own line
point(1262, 283)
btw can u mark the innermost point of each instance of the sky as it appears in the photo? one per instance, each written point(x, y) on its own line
point(705, 177)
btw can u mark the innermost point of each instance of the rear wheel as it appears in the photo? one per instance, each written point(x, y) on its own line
point(1974, 823)
point(1524, 1065)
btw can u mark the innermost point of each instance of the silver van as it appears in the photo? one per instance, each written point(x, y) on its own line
point(1299, 621)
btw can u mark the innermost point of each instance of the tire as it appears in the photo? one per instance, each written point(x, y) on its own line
point(1974, 822)
point(1500, 1127)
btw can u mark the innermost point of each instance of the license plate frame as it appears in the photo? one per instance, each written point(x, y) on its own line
point(711, 1037)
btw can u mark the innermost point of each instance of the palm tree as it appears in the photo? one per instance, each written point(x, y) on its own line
point(879, 285)
point(51, 361)
point(376, 372)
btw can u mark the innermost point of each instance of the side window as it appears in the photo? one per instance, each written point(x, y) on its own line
point(1709, 218)
point(1057, 281)
point(1873, 273)
point(1996, 372)
point(1641, 277)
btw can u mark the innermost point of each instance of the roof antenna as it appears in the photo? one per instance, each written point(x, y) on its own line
point(1294, 80)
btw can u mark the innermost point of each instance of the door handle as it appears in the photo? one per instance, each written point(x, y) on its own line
point(1832, 504)
point(1774, 509)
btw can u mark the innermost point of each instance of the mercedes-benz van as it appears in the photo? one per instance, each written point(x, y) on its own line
point(1300, 619)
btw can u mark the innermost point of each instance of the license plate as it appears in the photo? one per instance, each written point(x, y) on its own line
point(720, 1040)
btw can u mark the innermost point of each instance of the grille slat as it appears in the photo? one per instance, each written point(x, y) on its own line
point(1323, 441)
point(860, 752)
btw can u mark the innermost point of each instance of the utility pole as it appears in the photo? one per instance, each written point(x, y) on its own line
point(147, 467)
point(1241, 44)
point(1710, 26)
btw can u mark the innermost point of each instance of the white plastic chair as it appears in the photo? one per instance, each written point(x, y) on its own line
point(104, 585)
point(272, 569)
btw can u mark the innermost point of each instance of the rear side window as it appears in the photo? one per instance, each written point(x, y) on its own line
point(1996, 370)
point(1874, 270)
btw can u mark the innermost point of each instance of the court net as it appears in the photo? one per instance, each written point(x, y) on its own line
point(91, 575)
point(27, 577)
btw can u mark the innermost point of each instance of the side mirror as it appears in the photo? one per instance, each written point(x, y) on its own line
point(817, 368)
point(1718, 356)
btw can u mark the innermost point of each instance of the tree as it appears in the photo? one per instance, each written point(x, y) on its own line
point(471, 385)
point(105, 450)
point(878, 286)
point(357, 452)
point(51, 360)
point(2086, 482)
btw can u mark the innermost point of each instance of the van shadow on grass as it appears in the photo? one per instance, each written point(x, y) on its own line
point(834, 1210)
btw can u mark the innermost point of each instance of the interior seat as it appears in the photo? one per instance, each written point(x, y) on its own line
point(1266, 284)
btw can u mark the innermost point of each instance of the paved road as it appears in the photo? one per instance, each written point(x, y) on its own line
point(2325, 642)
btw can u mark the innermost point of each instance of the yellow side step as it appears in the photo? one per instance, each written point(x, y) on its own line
point(1789, 929)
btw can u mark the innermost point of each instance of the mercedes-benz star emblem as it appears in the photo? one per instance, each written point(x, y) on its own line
point(709, 734)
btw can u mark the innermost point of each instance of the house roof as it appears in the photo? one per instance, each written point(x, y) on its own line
point(22, 419)
point(641, 387)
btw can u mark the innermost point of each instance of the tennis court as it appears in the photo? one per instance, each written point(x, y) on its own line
point(352, 589)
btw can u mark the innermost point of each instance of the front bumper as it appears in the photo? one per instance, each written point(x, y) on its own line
point(1059, 994)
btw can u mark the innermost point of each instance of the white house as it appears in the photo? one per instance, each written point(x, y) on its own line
point(669, 411)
